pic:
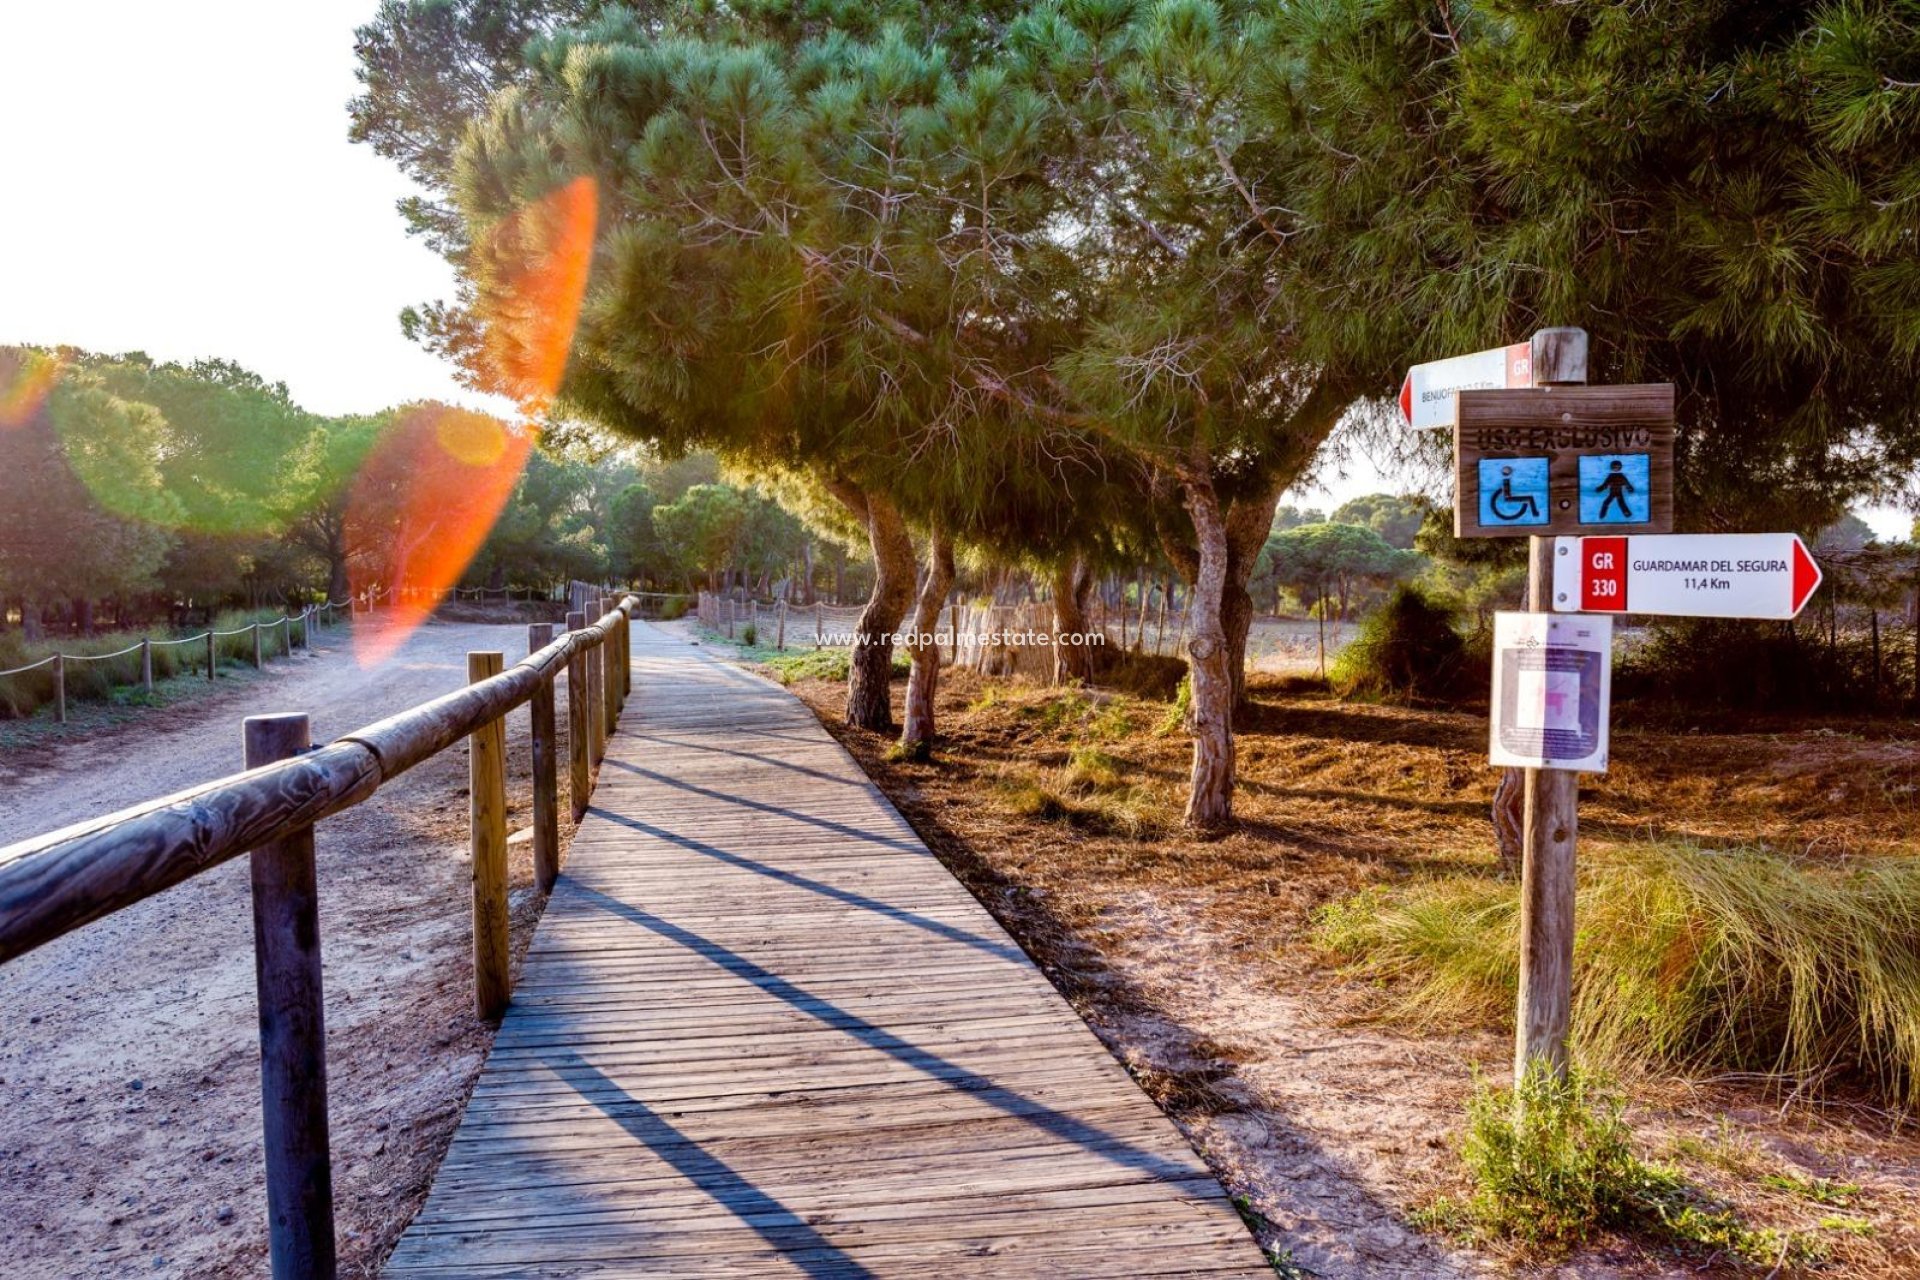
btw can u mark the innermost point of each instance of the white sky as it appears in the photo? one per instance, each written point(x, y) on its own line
point(177, 180)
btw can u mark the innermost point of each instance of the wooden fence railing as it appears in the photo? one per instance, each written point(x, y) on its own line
point(54, 884)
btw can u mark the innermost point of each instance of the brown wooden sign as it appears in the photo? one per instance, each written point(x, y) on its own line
point(1554, 460)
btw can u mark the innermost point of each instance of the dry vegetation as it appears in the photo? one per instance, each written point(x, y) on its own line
point(1203, 965)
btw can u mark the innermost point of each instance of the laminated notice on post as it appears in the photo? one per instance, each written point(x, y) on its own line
point(1552, 690)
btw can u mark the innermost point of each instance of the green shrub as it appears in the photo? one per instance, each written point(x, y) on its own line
point(749, 635)
point(674, 607)
point(1738, 959)
point(1408, 648)
point(1716, 663)
point(818, 664)
point(1552, 1163)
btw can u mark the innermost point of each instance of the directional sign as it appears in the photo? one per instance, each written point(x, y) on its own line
point(1426, 397)
point(1567, 459)
point(1688, 575)
point(1552, 689)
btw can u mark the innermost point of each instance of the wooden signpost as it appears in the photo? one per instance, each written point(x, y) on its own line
point(1596, 463)
point(1563, 459)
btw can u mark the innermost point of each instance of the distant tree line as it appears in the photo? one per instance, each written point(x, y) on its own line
point(139, 491)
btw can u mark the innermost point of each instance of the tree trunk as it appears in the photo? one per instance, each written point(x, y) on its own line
point(1320, 611)
point(923, 681)
point(1210, 792)
point(83, 615)
point(1072, 583)
point(1509, 816)
point(30, 629)
point(869, 704)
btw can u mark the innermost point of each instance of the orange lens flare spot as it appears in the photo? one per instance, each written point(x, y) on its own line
point(419, 511)
point(533, 272)
point(26, 380)
point(471, 439)
point(428, 494)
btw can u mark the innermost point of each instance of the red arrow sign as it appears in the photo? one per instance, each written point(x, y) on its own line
point(1426, 397)
point(1806, 577)
point(1693, 575)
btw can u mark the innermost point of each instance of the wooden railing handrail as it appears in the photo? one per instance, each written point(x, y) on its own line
point(53, 884)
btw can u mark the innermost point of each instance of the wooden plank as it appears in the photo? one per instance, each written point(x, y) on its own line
point(761, 1030)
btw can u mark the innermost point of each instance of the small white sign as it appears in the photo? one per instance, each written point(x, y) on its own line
point(1552, 691)
point(1426, 397)
point(1689, 575)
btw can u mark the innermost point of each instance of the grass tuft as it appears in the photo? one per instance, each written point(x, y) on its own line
point(1701, 959)
point(1552, 1165)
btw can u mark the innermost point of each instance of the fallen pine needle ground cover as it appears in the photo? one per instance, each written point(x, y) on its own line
point(1331, 1095)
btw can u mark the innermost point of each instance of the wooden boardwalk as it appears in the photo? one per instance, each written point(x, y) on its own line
point(762, 1031)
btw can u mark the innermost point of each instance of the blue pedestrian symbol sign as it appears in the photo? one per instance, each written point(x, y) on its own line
point(1513, 491)
point(1615, 488)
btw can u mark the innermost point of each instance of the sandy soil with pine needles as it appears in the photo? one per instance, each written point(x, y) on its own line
point(1199, 963)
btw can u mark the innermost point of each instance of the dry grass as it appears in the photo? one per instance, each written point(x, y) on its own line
point(1060, 810)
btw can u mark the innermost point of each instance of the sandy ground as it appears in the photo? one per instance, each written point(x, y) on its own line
point(1194, 960)
point(129, 1082)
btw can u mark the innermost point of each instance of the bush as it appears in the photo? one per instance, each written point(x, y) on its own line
point(1686, 957)
point(1552, 1163)
point(1740, 665)
point(1409, 648)
point(674, 607)
point(749, 635)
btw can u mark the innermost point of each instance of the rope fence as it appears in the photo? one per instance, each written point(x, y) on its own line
point(53, 669)
point(58, 689)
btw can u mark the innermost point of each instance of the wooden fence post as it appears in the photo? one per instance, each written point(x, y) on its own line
point(487, 814)
point(780, 634)
point(609, 679)
point(626, 654)
point(819, 615)
point(293, 1032)
point(212, 648)
point(579, 768)
point(146, 663)
point(546, 779)
point(1550, 808)
point(60, 688)
point(596, 693)
point(257, 662)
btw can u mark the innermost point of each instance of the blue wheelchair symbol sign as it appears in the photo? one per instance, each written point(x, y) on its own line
point(1513, 491)
point(1615, 488)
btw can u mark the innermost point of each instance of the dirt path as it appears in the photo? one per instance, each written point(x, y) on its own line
point(129, 1084)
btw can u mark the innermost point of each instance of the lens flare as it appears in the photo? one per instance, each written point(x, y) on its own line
point(430, 491)
point(420, 507)
point(26, 380)
point(532, 275)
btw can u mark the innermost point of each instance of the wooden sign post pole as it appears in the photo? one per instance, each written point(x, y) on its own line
point(1549, 821)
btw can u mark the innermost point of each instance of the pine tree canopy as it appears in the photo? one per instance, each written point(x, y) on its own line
point(1726, 195)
